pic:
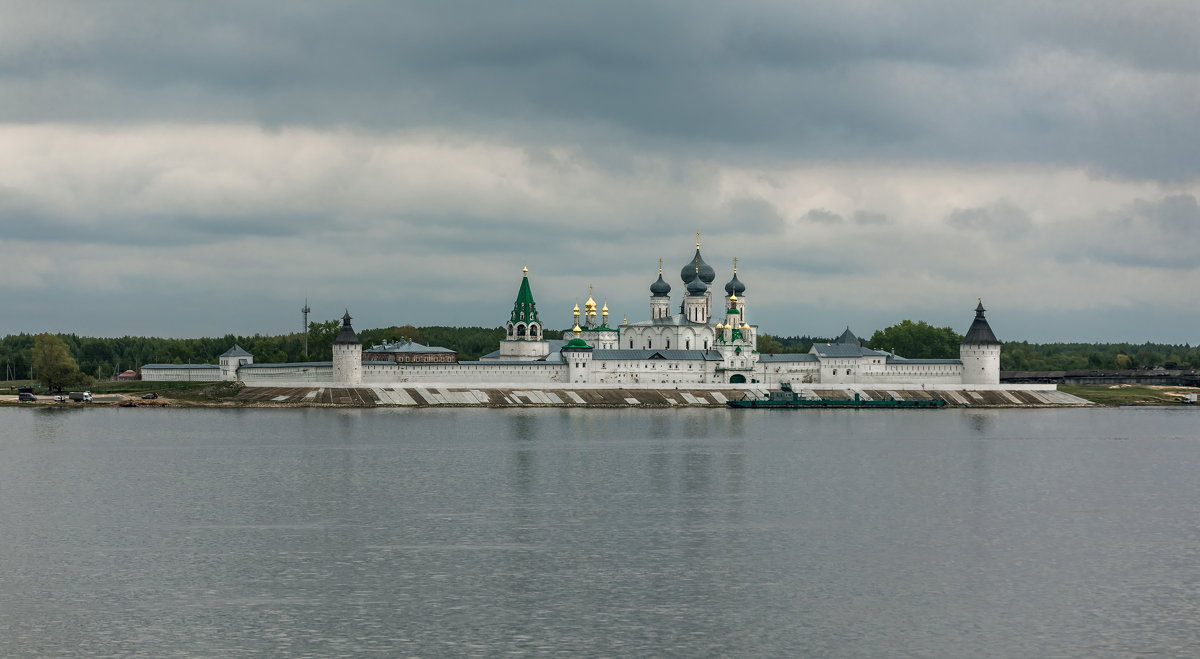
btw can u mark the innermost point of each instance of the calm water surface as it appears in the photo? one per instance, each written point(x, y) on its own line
point(296, 533)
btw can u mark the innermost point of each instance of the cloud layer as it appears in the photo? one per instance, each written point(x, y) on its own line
point(186, 169)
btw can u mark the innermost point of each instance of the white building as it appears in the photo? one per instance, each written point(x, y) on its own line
point(701, 344)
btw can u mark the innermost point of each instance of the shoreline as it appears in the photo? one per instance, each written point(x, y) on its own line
point(400, 396)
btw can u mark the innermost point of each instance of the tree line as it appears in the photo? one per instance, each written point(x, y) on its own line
point(101, 358)
point(920, 340)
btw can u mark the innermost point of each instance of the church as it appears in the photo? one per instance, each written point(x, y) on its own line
point(704, 339)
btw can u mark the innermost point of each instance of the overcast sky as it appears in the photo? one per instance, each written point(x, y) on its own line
point(199, 168)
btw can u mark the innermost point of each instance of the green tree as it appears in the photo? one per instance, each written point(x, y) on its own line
point(320, 339)
point(53, 365)
point(768, 344)
point(918, 340)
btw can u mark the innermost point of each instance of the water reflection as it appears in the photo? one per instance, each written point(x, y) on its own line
point(48, 424)
point(981, 421)
point(594, 533)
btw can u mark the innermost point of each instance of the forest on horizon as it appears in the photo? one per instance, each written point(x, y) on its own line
point(103, 357)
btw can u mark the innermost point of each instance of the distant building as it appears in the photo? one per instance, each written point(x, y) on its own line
point(406, 351)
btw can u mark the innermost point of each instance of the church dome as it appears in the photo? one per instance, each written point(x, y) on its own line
point(660, 288)
point(695, 267)
point(735, 286)
point(697, 286)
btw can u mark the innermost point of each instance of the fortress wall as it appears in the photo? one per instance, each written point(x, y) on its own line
point(531, 372)
point(653, 386)
point(181, 374)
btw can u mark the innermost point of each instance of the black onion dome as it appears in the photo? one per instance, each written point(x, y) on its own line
point(696, 286)
point(660, 288)
point(698, 266)
point(735, 286)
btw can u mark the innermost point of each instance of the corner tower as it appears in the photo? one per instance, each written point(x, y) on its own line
point(523, 338)
point(347, 355)
point(980, 352)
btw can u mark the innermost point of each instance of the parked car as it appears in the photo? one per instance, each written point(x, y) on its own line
point(150, 396)
point(26, 397)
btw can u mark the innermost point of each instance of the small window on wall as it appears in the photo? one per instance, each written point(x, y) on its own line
point(835, 371)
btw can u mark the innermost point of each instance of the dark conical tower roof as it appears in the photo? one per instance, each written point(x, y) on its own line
point(848, 338)
point(347, 335)
point(980, 332)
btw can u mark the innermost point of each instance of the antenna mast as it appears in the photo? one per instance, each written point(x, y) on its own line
point(304, 310)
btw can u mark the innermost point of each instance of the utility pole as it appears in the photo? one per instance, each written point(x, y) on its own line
point(304, 310)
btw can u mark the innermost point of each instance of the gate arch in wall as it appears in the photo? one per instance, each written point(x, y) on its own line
point(737, 378)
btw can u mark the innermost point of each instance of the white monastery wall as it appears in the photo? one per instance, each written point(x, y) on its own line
point(151, 374)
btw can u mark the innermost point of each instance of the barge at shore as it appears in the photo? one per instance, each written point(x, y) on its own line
point(786, 398)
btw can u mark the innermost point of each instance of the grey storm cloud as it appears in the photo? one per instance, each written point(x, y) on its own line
point(822, 216)
point(870, 218)
point(933, 80)
point(408, 158)
point(1162, 233)
point(1001, 219)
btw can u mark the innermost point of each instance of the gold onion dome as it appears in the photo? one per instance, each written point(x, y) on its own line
point(576, 330)
point(745, 326)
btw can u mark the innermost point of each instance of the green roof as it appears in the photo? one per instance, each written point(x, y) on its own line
point(525, 309)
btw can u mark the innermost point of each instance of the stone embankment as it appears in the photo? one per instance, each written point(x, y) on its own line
point(614, 397)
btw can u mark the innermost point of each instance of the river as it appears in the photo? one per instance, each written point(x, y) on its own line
point(573, 532)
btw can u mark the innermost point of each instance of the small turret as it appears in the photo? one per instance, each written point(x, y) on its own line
point(578, 356)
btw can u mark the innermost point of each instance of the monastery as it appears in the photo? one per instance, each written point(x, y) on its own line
point(702, 340)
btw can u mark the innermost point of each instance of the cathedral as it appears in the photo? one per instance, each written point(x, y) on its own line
point(706, 344)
